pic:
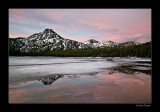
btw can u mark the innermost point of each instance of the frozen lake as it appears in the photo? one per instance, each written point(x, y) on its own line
point(73, 80)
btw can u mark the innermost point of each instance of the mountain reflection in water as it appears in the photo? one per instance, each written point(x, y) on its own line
point(127, 69)
point(50, 80)
point(130, 70)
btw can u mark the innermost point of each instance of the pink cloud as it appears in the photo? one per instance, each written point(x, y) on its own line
point(52, 14)
point(128, 26)
point(15, 11)
point(79, 38)
point(15, 35)
point(143, 39)
point(21, 15)
point(113, 24)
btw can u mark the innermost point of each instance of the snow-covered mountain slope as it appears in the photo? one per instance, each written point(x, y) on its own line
point(129, 43)
point(50, 40)
point(108, 43)
point(92, 43)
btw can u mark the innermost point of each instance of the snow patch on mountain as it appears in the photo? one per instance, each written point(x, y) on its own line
point(50, 40)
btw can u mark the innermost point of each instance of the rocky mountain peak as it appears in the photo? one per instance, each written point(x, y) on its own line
point(91, 41)
point(48, 32)
point(50, 40)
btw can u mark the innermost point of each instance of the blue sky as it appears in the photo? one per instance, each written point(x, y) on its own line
point(118, 25)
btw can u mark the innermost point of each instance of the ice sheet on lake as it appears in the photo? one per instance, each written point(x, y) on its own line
point(52, 65)
point(42, 66)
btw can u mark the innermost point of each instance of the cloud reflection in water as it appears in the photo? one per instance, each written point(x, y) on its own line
point(118, 87)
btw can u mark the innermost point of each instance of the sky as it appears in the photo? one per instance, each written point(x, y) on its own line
point(118, 25)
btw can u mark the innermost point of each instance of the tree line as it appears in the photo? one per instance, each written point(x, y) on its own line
point(143, 50)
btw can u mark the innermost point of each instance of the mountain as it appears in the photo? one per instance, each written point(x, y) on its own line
point(128, 43)
point(50, 80)
point(92, 43)
point(50, 40)
point(109, 44)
